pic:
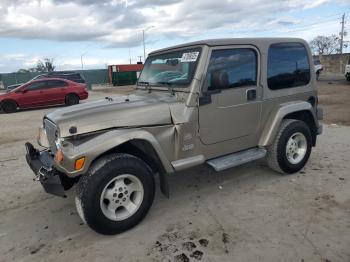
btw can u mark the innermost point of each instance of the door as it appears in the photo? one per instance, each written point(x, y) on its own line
point(55, 92)
point(229, 107)
point(32, 95)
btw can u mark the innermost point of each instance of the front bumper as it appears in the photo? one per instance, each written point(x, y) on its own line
point(41, 163)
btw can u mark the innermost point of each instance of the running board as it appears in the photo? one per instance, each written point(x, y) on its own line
point(236, 159)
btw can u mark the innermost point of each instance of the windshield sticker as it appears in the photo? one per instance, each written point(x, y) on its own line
point(189, 57)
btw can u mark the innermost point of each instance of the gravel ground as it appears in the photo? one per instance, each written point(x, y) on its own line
point(248, 213)
point(334, 96)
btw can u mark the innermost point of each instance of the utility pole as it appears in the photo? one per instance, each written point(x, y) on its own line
point(143, 41)
point(129, 56)
point(81, 60)
point(144, 46)
point(342, 33)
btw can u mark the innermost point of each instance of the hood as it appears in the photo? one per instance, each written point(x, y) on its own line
point(3, 96)
point(138, 110)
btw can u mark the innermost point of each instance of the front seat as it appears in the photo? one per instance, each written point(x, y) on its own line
point(219, 80)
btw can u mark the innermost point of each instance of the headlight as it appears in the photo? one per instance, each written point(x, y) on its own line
point(42, 138)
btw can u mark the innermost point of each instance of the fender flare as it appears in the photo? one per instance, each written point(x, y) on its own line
point(95, 147)
point(271, 126)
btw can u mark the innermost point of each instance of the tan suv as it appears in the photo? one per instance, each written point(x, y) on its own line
point(220, 103)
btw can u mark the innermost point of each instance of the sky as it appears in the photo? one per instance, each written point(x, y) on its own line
point(103, 32)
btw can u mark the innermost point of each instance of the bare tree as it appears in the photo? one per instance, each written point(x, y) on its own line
point(45, 66)
point(325, 45)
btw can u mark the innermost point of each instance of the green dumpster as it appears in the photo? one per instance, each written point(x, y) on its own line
point(124, 78)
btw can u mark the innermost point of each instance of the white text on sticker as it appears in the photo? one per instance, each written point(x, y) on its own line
point(189, 57)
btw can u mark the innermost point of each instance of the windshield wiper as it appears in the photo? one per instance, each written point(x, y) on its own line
point(165, 83)
point(143, 83)
point(170, 86)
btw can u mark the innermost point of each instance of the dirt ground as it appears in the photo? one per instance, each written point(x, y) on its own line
point(334, 97)
point(248, 213)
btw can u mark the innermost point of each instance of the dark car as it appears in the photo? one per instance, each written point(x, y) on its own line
point(43, 92)
point(72, 76)
point(11, 87)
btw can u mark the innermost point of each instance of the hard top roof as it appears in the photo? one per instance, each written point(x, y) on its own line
point(233, 41)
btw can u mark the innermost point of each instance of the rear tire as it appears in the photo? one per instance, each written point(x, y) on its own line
point(292, 147)
point(72, 99)
point(9, 106)
point(116, 194)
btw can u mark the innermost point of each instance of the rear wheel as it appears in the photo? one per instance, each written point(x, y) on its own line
point(116, 194)
point(72, 99)
point(291, 148)
point(9, 106)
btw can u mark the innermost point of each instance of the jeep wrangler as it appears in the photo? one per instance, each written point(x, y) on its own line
point(220, 103)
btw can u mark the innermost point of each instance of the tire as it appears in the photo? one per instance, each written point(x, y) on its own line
point(317, 75)
point(9, 106)
point(72, 99)
point(289, 158)
point(109, 179)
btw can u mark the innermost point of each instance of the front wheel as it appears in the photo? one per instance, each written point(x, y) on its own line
point(9, 106)
point(291, 148)
point(116, 194)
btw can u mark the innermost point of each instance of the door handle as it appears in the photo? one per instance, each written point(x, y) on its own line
point(251, 94)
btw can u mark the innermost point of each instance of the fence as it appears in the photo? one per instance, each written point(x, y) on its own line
point(334, 63)
point(94, 76)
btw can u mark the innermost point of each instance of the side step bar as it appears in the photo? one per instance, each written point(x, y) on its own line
point(236, 159)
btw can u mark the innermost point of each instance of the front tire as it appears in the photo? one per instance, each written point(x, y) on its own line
point(9, 106)
point(116, 194)
point(292, 147)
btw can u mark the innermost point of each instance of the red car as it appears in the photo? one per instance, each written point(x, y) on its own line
point(43, 92)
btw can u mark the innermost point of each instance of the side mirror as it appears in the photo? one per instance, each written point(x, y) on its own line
point(205, 98)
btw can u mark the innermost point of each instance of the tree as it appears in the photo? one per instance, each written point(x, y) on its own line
point(23, 71)
point(45, 66)
point(325, 45)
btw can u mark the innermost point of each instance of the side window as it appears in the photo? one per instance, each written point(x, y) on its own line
point(230, 68)
point(287, 66)
point(56, 83)
point(36, 86)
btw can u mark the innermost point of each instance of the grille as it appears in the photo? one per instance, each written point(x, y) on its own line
point(52, 134)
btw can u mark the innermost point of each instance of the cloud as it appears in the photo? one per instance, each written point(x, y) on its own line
point(119, 23)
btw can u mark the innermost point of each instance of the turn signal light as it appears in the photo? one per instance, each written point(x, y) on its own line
point(79, 163)
point(59, 156)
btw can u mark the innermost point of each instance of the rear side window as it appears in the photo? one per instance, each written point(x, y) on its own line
point(36, 86)
point(230, 68)
point(56, 83)
point(288, 66)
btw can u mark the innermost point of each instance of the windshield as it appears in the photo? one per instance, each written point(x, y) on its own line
point(170, 69)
